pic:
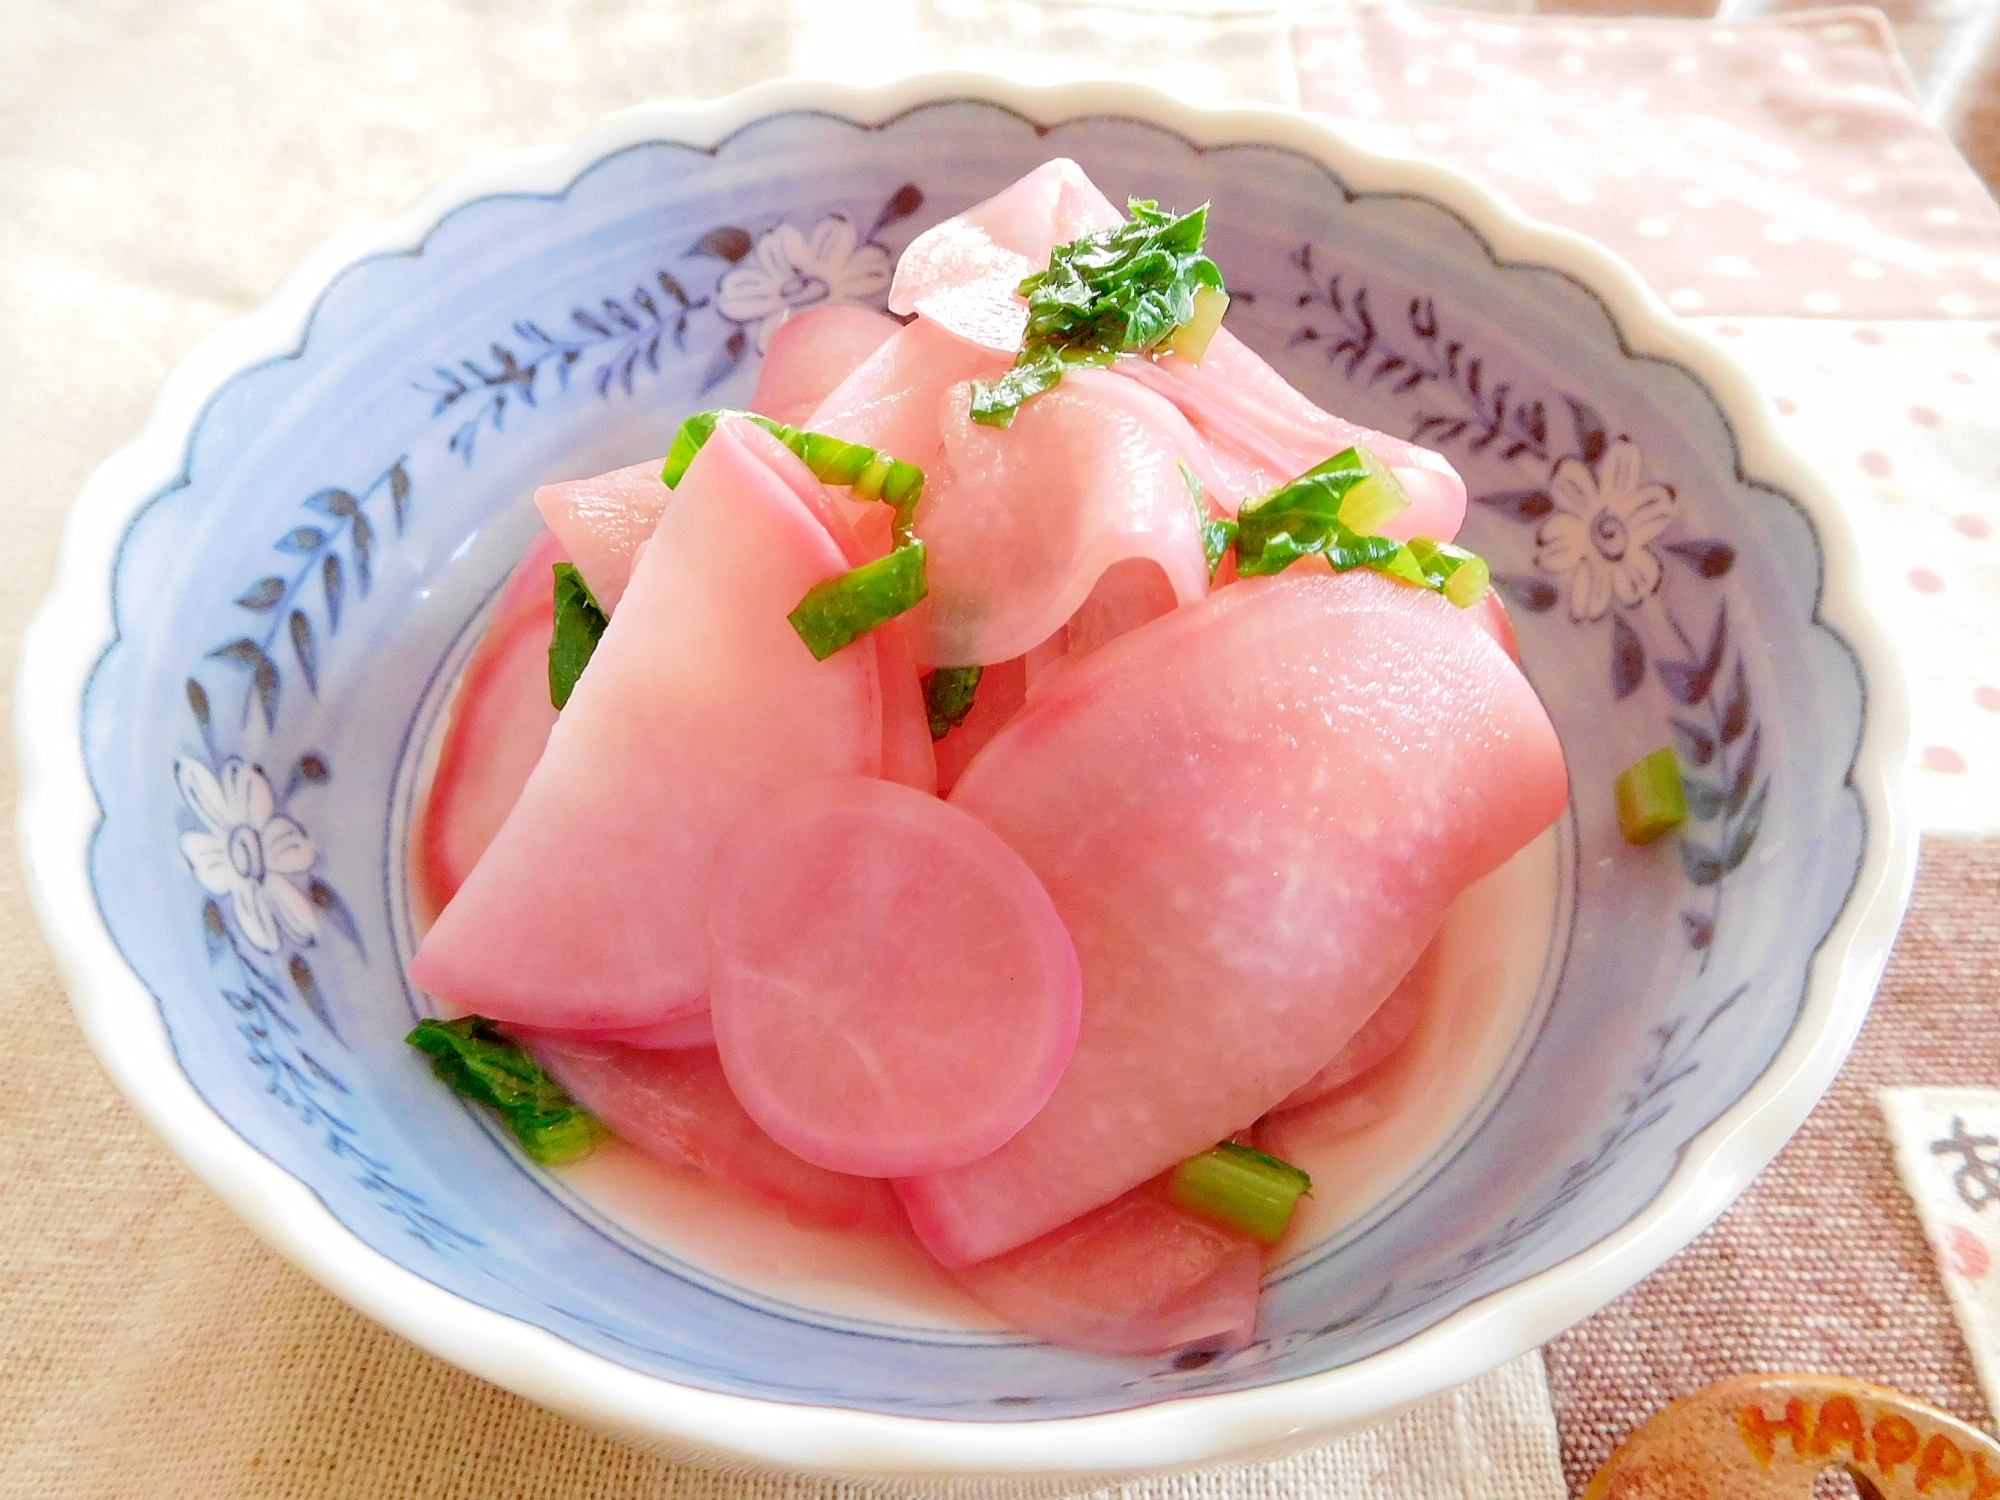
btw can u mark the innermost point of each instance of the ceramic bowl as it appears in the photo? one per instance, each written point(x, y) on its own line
point(261, 603)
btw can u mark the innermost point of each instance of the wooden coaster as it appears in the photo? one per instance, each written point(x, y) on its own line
point(1769, 1437)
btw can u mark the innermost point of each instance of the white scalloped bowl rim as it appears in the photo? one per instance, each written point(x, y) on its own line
point(59, 813)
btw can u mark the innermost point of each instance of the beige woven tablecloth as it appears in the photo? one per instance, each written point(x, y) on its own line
point(161, 166)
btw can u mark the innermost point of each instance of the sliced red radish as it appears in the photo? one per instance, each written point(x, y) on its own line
point(1380, 1035)
point(825, 502)
point(1137, 1276)
point(604, 520)
point(1242, 405)
point(892, 991)
point(908, 754)
point(1127, 594)
point(906, 731)
point(1045, 656)
point(962, 273)
point(691, 1028)
point(1024, 520)
point(1491, 612)
point(1295, 1134)
point(590, 908)
point(677, 1107)
point(1003, 688)
point(894, 399)
point(1251, 813)
point(811, 353)
point(500, 720)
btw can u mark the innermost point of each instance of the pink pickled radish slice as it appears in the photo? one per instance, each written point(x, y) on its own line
point(1026, 519)
point(1138, 1276)
point(602, 522)
point(892, 991)
point(1237, 401)
point(1251, 814)
point(589, 909)
point(676, 1106)
point(894, 399)
point(1003, 688)
point(1294, 1134)
point(818, 498)
point(1491, 612)
point(500, 720)
point(906, 733)
point(962, 274)
point(908, 755)
point(1044, 658)
point(1380, 1035)
point(1127, 594)
point(690, 1028)
point(895, 402)
point(811, 353)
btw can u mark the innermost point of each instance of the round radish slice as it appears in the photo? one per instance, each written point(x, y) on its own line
point(892, 990)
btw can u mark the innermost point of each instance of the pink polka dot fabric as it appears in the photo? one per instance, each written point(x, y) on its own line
point(1903, 418)
point(1776, 167)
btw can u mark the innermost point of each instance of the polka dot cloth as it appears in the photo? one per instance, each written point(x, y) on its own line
point(1903, 418)
point(1779, 167)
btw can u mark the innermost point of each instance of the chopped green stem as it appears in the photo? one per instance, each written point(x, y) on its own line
point(1191, 340)
point(948, 696)
point(1241, 1188)
point(1651, 799)
point(477, 1060)
point(871, 474)
point(1123, 290)
point(580, 623)
point(836, 612)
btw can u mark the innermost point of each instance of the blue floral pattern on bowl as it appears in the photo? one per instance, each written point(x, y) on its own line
point(304, 599)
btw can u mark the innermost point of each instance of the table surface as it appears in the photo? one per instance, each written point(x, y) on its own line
point(163, 165)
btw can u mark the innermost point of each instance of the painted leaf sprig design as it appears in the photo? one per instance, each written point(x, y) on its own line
point(334, 549)
point(621, 335)
point(762, 280)
point(1675, 1057)
point(1477, 410)
point(266, 904)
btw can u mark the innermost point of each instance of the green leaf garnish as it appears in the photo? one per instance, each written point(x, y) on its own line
point(1122, 290)
point(477, 1060)
point(1241, 1188)
point(1651, 799)
point(835, 612)
point(1333, 511)
point(1217, 533)
point(871, 474)
point(580, 623)
point(948, 695)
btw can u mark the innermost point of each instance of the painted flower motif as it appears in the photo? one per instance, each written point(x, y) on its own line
point(1602, 530)
point(787, 272)
point(244, 851)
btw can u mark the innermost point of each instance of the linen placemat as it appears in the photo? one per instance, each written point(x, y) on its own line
point(160, 170)
point(1774, 167)
point(1822, 1265)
